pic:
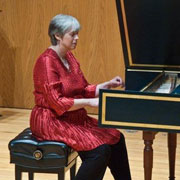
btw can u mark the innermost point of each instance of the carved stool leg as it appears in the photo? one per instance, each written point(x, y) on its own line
point(31, 176)
point(18, 173)
point(61, 174)
point(172, 142)
point(148, 138)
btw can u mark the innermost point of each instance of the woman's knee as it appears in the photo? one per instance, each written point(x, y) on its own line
point(121, 142)
point(122, 138)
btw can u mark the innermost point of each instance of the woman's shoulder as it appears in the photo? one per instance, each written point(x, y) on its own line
point(46, 56)
point(47, 59)
point(48, 53)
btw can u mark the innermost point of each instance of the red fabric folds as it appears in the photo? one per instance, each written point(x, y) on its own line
point(55, 90)
point(54, 98)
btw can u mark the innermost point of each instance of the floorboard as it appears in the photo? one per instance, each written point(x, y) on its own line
point(13, 121)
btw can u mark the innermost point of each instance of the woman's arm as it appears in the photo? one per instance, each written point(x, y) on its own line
point(94, 102)
point(81, 103)
point(113, 83)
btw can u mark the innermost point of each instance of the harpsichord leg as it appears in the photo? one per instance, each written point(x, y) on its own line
point(148, 138)
point(172, 142)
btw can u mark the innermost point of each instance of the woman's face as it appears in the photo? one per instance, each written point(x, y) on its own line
point(69, 40)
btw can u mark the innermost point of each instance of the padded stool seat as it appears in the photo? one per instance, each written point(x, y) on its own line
point(30, 155)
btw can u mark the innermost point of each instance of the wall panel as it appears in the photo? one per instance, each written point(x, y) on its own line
point(23, 36)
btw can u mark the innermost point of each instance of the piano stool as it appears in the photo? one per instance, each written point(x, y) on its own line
point(33, 156)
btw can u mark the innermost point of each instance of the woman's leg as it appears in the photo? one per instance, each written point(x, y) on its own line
point(119, 164)
point(94, 163)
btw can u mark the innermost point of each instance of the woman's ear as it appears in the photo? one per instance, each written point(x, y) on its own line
point(58, 37)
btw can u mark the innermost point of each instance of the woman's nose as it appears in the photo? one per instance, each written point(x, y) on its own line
point(76, 36)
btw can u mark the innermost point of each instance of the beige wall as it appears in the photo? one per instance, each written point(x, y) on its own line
point(23, 36)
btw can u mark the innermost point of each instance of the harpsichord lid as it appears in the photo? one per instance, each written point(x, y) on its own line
point(150, 33)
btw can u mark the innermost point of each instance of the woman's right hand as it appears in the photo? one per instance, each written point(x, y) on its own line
point(94, 102)
point(81, 103)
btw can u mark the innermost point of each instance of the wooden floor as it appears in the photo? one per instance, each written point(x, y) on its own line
point(13, 121)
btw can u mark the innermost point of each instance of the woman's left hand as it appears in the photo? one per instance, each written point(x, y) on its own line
point(116, 82)
point(113, 83)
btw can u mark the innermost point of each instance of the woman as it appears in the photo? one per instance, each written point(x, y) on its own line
point(61, 93)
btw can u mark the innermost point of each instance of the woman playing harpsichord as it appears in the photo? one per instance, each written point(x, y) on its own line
point(61, 95)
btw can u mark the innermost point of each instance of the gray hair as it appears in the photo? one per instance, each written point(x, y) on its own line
point(61, 24)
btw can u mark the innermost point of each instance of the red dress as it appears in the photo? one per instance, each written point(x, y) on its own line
point(55, 90)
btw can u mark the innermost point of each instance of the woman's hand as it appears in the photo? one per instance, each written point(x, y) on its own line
point(93, 102)
point(113, 83)
point(81, 103)
point(116, 82)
